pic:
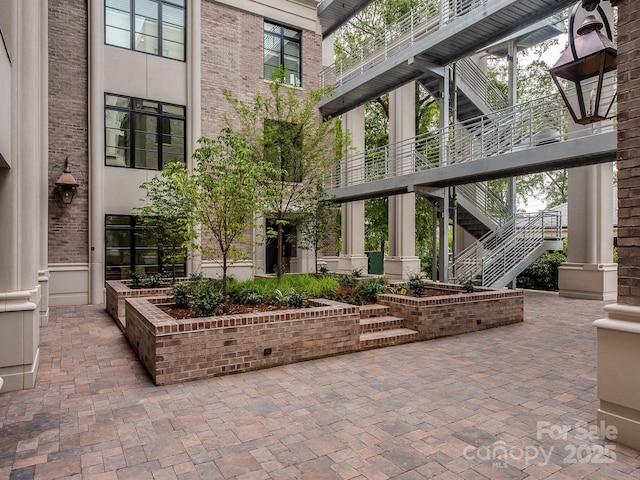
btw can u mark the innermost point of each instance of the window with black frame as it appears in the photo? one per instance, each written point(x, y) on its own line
point(142, 133)
point(283, 49)
point(155, 27)
point(130, 247)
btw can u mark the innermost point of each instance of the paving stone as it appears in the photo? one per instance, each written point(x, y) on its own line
point(422, 410)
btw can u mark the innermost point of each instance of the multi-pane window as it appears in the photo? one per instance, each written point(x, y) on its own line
point(151, 26)
point(282, 49)
point(142, 133)
point(133, 248)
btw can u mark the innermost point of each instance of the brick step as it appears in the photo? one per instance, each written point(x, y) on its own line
point(377, 324)
point(370, 311)
point(387, 338)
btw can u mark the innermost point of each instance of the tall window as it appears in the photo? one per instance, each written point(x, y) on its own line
point(282, 48)
point(143, 133)
point(132, 248)
point(283, 143)
point(151, 26)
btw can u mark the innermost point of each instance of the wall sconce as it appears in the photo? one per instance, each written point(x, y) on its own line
point(585, 67)
point(66, 184)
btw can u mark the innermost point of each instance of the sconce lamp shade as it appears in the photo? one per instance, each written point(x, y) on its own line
point(66, 184)
point(585, 74)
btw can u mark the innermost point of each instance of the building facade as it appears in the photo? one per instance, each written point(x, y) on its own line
point(115, 90)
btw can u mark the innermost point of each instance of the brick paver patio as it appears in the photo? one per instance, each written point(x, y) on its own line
point(514, 402)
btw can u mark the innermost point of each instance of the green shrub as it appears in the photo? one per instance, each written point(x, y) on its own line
point(294, 300)
point(196, 276)
point(152, 281)
point(467, 285)
point(247, 295)
point(347, 280)
point(543, 273)
point(417, 284)
point(368, 290)
point(207, 298)
point(136, 279)
point(181, 293)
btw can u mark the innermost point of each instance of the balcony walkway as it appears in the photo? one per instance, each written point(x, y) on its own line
point(434, 34)
point(437, 409)
point(523, 139)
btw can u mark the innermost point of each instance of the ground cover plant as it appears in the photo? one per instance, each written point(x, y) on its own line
point(202, 297)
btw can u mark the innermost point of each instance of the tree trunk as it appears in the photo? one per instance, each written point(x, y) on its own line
point(279, 255)
point(224, 282)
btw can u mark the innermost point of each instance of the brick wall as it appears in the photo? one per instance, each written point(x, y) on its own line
point(232, 57)
point(441, 316)
point(68, 128)
point(119, 290)
point(628, 152)
point(179, 350)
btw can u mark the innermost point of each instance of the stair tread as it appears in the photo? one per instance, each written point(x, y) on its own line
point(395, 332)
point(374, 320)
point(373, 311)
point(372, 308)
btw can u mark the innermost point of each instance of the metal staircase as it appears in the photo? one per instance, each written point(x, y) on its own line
point(477, 95)
point(500, 256)
point(434, 34)
point(479, 210)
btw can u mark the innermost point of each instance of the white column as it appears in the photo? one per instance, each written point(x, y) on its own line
point(194, 106)
point(352, 256)
point(402, 261)
point(19, 289)
point(589, 271)
point(96, 152)
point(43, 237)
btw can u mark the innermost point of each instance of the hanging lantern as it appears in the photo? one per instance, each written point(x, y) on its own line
point(66, 184)
point(585, 74)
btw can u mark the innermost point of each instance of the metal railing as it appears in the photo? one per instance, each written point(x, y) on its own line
point(508, 130)
point(484, 201)
point(497, 253)
point(479, 83)
point(422, 20)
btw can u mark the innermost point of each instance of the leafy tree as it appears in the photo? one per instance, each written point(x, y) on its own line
point(228, 194)
point(285, 130)
point(533, 82)
point(169, 213)
point(314, 223)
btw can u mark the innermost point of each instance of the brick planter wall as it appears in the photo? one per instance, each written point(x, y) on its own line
point(118, 290)
point(178, 350)
point(446, 315)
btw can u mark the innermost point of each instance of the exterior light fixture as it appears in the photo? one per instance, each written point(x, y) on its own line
point(66, 184)
point(590, 5)
point(585, 74)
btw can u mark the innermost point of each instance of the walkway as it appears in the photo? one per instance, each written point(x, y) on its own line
point(437, 409)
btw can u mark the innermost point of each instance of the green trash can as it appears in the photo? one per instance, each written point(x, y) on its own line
point(376, 263)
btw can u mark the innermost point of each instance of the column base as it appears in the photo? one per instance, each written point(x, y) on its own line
point(19, 338)
point(331, 262)
point(43, 281)
point(588, 281)
point(401, 268)
point(618, 374)
point(351, 263)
